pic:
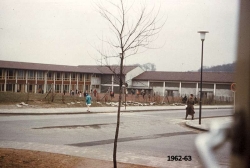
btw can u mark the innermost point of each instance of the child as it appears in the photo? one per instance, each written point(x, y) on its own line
point(88, 101)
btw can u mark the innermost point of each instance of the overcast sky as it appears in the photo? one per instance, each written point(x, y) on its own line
point(67, 32)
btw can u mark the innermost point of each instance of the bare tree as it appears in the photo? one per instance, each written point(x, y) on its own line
point(130, 33)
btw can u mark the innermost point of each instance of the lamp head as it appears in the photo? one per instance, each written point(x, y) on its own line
point(203, 33)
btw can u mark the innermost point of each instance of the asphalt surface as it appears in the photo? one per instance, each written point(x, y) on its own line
point(146, 138)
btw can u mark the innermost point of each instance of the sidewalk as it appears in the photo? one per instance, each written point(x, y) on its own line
point(205, 122)
point(29, 110)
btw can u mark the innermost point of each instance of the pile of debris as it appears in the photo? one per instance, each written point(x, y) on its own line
point(72, 103)
point(129, 103)
point(21, 104)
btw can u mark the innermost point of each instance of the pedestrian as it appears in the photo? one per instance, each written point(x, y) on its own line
point(85, 94)
point(112, 94)
point(195, 100)
point(143, 93)
point(64, 91)
point(88, 101)
point(137, 93)
point(95, 92)
point(184, 100)
point(132, 92)
point(190, 107)
point(149, 96)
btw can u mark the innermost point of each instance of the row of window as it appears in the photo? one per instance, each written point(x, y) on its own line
point(31, 88)
point(21, 74)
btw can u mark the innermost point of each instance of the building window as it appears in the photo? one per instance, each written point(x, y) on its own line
point(10, 87)
point(58, 89)
point(156, 84)
point(58, 76)
point(1, 74)
point(10, 74)
point(40, 75)
point(1, 87)
point(73, 76)
point(223, 86)
point(21, 74)
point(81, 77)
point(49, 87)
point(66, 76)
point(96, 75)
point(31, 75)
point(66, 88)
point(40, 88)
point(50, 76)
point(88, 77)
point(86, 87)
point(95, 86)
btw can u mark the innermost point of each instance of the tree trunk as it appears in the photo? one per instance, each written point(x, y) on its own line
point(118, 113)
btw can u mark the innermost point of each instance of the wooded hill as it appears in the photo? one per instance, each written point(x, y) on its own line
point(219, 68)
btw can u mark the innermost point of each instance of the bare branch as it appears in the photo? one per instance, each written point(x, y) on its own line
point(130, 35)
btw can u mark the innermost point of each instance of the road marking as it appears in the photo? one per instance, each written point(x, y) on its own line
point(110, 141)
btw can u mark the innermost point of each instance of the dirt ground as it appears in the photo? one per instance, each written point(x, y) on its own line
point(13, 158)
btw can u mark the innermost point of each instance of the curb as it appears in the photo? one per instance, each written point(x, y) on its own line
point(204, 129)
point(123, 111)
point(197, 128)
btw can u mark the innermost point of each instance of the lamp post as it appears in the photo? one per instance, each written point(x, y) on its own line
point(202, 35)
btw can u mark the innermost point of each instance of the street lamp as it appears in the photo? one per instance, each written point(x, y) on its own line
point(202, 34)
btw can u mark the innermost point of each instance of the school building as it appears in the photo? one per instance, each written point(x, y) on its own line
point(40, 78)
point(177, 84)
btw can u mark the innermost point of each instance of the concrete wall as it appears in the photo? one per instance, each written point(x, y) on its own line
point(172, 86)
point(220, 90)
point(188, 88)
point(133, 73)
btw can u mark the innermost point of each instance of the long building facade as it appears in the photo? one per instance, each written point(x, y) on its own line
point(179, 84)
point(41, 78)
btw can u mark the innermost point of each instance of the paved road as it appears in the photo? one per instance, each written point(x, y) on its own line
point(146, 138)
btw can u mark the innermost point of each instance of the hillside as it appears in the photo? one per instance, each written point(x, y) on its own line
point(220, 68)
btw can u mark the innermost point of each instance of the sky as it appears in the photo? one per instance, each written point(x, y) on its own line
point(69, 32)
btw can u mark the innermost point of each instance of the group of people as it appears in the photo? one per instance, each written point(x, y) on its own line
point(72, 92)
point(137, 92)
point(189, 101)
point(189, 109)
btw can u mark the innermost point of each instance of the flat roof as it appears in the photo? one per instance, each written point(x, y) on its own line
point(65, 68)
point(218, 77)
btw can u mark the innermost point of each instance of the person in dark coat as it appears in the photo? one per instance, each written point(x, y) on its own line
point(184, 100)
point(85, 94)
point(95, 92)
point(190, 106)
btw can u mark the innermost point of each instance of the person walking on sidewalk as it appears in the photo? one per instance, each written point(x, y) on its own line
point(88, 101)
point(190, 107)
